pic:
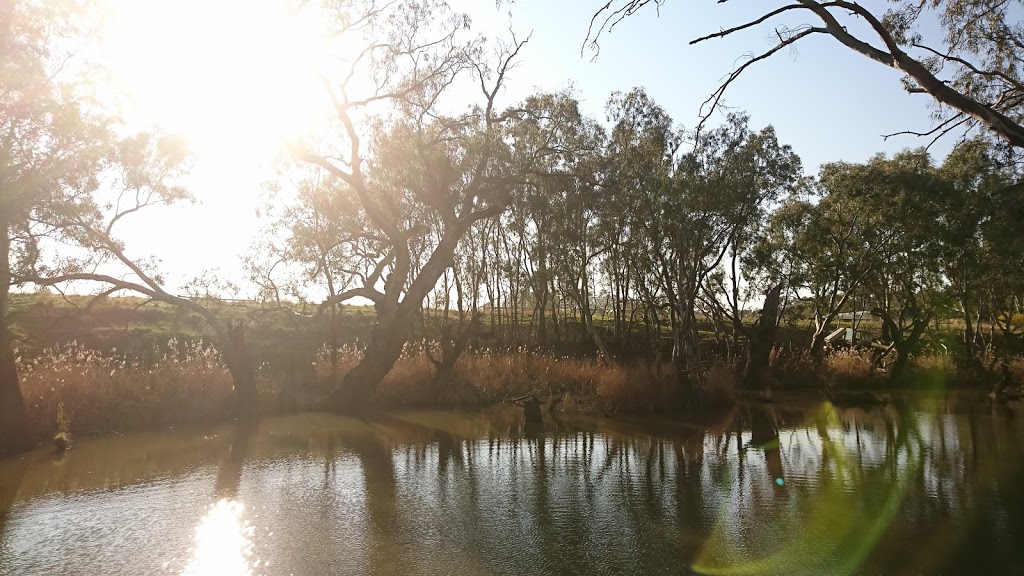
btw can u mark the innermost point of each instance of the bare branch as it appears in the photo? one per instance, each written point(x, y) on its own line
point(716, 96)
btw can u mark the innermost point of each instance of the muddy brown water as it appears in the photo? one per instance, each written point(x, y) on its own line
point(928, 486)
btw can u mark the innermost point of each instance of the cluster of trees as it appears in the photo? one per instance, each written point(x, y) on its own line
point(533, 214)
point(647, 229)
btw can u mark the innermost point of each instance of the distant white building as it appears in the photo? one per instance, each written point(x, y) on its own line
point(859, 315)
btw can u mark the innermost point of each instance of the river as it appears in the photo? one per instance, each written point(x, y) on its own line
point(924, 486)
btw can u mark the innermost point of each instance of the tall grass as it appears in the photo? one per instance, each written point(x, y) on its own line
point(188, 384)
point(490, 376)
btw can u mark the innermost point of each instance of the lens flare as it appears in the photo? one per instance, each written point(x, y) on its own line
point(840, 526)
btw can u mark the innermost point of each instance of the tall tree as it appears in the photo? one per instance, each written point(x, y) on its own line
point(978, 197)
point(60, 147)
point(721, 192)
point(425, 175)
point(831, 242)
point(972, 70)
point(906, 286)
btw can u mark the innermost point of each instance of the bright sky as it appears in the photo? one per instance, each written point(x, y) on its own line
point(237, 77)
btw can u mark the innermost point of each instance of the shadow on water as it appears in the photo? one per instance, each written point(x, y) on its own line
point(229, 474)
point(924, 487)
point(12, 473)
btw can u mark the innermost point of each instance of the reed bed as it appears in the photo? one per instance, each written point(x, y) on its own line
point(105, 393)
point(188, 383)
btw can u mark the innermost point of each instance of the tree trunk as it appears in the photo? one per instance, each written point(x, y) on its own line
point(821, 328)
point(387, 338)
point(760, 340)
point(243, 372)
point(333, 340)
point(393, 328)
point(14, 433)
point(451, 351)
point(970, 344)
point(588, 323)
point(903, 345)
point(554, 313)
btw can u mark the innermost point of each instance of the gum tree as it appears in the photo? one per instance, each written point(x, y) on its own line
point(971, 68)
point(61, 149)
point(423, 176)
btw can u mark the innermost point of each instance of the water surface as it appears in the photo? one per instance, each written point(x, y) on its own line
point(928, 486)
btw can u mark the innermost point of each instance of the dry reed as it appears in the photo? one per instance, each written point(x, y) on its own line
point(107, 393)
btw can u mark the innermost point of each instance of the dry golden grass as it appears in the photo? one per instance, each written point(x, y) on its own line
point(102, 394)
point(848, 367)
point(189, 384)
point(719, 387)
point(487, 377)
point(794, 369)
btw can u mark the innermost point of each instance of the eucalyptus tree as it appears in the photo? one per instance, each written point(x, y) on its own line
point(969, 63)
point(831, 241)
point(425, 177)
point(981, 232)
point(979, 201)
point(1002, 292)
point(906, 286)
point(61, 146)
point(636, 172)
point(462, 284)
point(721, 190)
point(567, 189)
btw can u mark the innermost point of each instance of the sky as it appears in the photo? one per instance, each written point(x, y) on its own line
point(824, 100)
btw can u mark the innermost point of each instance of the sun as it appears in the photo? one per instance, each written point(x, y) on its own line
point(237, 78)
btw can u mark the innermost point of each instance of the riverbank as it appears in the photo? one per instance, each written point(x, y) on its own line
point(188, 383)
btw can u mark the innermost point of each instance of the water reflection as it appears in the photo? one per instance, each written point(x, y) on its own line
point(223, 543)
point(925, 487)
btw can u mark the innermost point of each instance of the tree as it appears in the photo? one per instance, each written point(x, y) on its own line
point(972, 73)
point(830, 243)
point(313, 240)
point(722, 190)
point(906, 285)
point(979, 198)
point(427, 175)
point(747, 173)
point(634, 225)
point(60, 149)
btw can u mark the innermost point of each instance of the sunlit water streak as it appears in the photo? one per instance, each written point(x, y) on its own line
point(811, 490)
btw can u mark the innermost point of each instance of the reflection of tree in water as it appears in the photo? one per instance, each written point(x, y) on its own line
point(380, 486)
point(831, 517)
point(764, 435)
point(573, 499)
point(12, 472)
point(969, 495)
point(229, 473)
point(888, 490)
point(448, 450)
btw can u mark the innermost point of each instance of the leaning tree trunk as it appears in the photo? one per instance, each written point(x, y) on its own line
point(821, 328)
point(760, 340)
point(392, 331)
point(14, 433)
point(387, 339)
point(903, 345)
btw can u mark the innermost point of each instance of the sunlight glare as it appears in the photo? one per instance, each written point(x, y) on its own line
point(236, 78)
point(223, 542)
